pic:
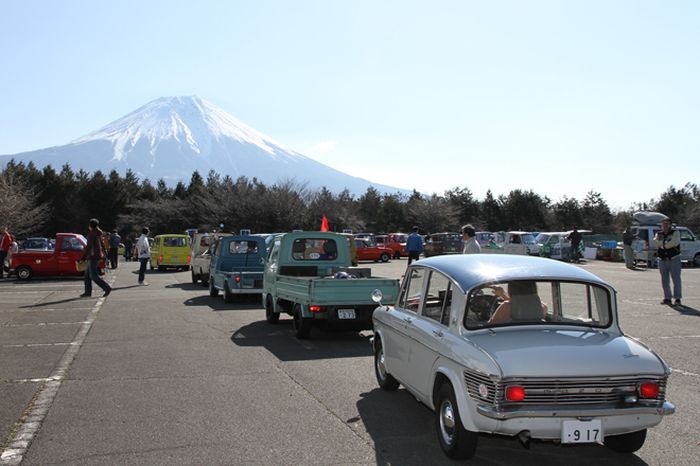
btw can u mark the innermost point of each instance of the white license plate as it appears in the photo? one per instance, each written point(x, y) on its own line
point(582, 431)
point(346, 313)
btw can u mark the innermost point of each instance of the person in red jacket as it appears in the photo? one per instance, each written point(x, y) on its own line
point(6, 240)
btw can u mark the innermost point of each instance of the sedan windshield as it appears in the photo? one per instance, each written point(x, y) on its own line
point(528, 302)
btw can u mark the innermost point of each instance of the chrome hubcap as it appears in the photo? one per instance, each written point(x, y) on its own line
point(447, 422)
point(381, 367)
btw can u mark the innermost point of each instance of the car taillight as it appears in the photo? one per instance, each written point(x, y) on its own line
point(188, 259)
point(515, 393)
point(314, 308)
point(160, 259)
point(237, 278)
point(649, 390)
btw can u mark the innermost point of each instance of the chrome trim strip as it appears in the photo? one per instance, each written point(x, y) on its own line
point(493, 413)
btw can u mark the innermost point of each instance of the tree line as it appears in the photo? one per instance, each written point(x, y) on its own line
point(41, 202)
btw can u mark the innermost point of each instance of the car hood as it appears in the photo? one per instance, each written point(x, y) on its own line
point(567, 353)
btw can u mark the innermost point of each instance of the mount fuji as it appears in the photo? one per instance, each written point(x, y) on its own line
point(171, 137)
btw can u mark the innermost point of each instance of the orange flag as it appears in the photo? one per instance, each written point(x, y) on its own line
point(324, 224)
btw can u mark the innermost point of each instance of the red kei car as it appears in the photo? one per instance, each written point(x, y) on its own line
point(68, 248)
point(394, 241)
point(366, 251)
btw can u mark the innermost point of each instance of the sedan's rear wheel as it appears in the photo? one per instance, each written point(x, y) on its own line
point(455, 440)
point(384, 257)
point(696, 260)
point(626, 443)
point(385, 380)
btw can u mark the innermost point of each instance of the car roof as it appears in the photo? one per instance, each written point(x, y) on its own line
point(470, 270)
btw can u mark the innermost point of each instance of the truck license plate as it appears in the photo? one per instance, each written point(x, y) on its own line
point(346, 313)
point(582, 431)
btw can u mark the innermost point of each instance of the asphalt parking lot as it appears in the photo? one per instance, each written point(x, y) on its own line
point(165, 374)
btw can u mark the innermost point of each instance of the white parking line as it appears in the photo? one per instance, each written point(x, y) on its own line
point(32, 345)
point(43, 324)
point(35, 414)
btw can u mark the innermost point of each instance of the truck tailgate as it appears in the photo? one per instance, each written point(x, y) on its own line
point(331, 291)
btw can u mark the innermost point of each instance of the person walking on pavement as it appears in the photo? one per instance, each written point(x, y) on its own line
point(471, 246)
point(143, 250)
point(575, 238)
point(668, 242)
point(93, 252)
point(114, 242)
point(6, 240)
point(414, 245)
point(627, 240)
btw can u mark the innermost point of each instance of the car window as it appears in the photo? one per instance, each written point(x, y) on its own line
point(539, 302)
point(411, 293)
point(438, 297)
point(174, 242)
point(686, 235)
point(243, 247)
point(205, 241)
point(71, 244)
point(314, 249)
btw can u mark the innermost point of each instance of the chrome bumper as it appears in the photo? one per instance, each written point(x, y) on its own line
point(493, 413)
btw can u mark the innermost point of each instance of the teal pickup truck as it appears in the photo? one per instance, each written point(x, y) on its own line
point(308, 275)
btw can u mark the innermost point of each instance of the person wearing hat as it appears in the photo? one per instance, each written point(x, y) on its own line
point(668, 244)
point(471, 246)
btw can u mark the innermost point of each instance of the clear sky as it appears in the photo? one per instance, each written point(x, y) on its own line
point(560, 97)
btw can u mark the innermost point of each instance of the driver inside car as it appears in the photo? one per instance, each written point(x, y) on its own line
point(521, 303)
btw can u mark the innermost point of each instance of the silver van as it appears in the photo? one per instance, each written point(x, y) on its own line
point(644, 250)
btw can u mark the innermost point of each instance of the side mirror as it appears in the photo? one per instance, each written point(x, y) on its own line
point(377, 296)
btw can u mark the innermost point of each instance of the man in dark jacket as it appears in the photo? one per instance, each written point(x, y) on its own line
point(627, 240)
point(93, 252)
point(114, 242)
point(575, 238)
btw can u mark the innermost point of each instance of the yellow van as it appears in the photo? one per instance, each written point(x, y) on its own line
point(171, 251)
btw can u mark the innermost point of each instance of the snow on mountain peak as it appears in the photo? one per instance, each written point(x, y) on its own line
point(189, 121)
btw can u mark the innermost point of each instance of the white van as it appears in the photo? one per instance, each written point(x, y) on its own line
point(644, 250)
point(201, 257)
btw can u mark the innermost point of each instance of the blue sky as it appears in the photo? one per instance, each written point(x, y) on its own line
point(560, 97)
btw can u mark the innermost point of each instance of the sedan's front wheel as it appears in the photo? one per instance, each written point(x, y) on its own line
point(455, 440)
point(385, 380)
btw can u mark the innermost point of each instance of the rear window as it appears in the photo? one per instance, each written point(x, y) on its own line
point(315, 249)
point(243, 247)
point(174, 242)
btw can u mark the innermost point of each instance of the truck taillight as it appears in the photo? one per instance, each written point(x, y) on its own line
point(314, 308)
point(237, 278)
point(160, 259)
point(189, 258)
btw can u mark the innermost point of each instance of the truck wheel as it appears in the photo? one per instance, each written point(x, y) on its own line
point(696, 260)
point(385, 380)
point(455, 440)
point(228, 296)
point(151, 264)
point(161, 268)
point(384, 257)
point(205, 278)
point(271, 316)
point(24, 272)
point(213, 292)
point(194, 277)
point(302, 327)
point(626, 443)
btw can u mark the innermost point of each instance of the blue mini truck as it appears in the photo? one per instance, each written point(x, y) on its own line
point(237, 266)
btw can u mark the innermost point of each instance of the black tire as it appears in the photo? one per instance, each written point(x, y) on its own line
point(626, 443)
point(384, 257)
point(228, 296)
point(24, 272)
point(386, 381)
point(213, 292)
point(696, 260)
point(302, 327)
point(161, 268)
point(271, 316)
point(454, 439)
point(195, 279)
point(151, 264)
point(205, 279)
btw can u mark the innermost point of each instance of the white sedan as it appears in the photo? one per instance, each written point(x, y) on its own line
point(518, 346)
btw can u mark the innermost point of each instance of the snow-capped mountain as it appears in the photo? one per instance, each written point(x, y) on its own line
point(171, 137)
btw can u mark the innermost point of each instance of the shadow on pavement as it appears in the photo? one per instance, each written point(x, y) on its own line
point(686, 310)
point(279, 340)
point(218, 304)
point(403, 432)
point(189, 286)
point(48, 303)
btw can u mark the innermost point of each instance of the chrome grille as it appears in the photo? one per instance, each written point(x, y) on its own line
point(605, 391)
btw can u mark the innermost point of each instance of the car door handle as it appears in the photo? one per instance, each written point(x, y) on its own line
point(438, 333)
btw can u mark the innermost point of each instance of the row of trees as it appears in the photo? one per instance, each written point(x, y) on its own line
point(43, 202)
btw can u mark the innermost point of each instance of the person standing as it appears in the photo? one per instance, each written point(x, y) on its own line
point(143, 250)
point(471, 246)
point(668, 244)
point(93, 252)
point(114, 241)
point(627, 240)
point(575, 238)
point(414, 245)
point(6, 240)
